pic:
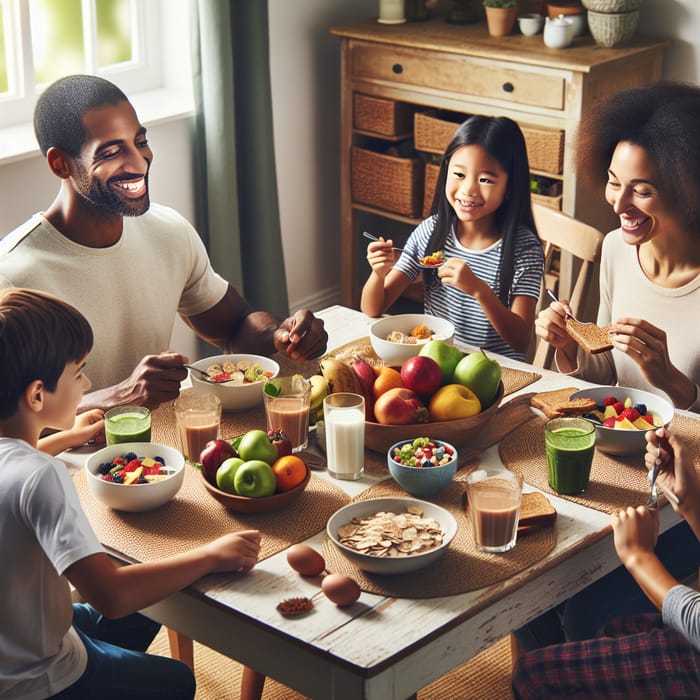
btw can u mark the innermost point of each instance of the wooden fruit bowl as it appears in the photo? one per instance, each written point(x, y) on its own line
point(244, 504)
point(458, 432)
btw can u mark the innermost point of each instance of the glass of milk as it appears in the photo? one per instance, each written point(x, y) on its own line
point(344, 417)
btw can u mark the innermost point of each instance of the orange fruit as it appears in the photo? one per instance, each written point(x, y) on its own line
point(289, 471)
point(387, 378)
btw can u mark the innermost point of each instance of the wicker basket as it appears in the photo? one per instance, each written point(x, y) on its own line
point(380, 116)
point(433, 130)
point(431, 175)
point(612, 5)
point(387, 182)
point(545, 148)
point(610, 29)
point(551, 202)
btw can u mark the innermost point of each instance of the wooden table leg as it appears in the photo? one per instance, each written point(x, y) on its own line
point(181, 648)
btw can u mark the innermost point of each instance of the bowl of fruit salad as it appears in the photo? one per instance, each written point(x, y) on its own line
point(422, 467)
point(623, 415)
point(236, 379)
point(135, 476)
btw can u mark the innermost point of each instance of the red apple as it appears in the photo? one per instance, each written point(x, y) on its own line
point(213, 455)
point(400, 406)
point(422, 375)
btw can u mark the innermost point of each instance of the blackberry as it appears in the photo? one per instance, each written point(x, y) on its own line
point(104, 468)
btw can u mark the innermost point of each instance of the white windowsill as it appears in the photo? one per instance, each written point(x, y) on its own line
point(153, 107)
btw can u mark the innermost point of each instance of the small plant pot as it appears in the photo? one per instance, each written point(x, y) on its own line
point(500, 20)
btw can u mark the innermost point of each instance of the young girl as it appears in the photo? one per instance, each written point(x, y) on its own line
point(482, 221)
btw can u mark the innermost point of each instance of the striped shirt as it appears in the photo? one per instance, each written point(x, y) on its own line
point(471, 325)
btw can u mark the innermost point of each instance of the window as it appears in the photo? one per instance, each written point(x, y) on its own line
point(42, 40)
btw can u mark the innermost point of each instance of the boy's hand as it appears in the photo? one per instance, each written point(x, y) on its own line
point(89, 427)
point(635, 531)
point(235, 552)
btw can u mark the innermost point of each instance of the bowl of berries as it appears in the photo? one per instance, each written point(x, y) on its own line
point(421, 466)
point(135, 476)
point(236, 379)
point(622, 416)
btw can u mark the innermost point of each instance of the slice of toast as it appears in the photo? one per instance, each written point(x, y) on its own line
point(556, 404)
point(593, 339)
point(535, 511)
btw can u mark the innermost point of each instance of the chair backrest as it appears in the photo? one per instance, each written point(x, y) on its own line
point(560, 232)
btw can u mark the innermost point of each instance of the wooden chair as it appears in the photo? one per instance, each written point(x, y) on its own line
point(562, 233)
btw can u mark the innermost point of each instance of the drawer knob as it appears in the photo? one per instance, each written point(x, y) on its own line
point(397, 68)
point(508, 87)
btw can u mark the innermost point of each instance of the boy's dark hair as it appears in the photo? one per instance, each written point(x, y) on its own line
point(661, 118)
point(504, 141)
point(58, 115)
point(39, 335)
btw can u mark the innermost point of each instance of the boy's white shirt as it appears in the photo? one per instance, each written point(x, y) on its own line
point(43, 530)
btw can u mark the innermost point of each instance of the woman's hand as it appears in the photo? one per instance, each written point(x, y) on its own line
point(648, 347)
point(635, 532)
point(381, 257)
point(550, 325)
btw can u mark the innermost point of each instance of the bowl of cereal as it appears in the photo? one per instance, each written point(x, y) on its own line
point(135, 476)
point(396, 338)
point(391, 535)
point(236, 379)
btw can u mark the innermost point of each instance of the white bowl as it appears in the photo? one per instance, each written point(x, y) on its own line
point(395, 354)
point(530, 24)
point(625, 442)
point(391, 565)
point(135, 497)
point(234, 397)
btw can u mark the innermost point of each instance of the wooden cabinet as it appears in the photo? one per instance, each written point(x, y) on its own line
point(437, 70)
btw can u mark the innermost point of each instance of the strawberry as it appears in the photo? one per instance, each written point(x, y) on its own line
point(619, 407)
point(648, 419)
point(609, 401)
point(609, 422)
point(631, 413)
point(133, 465)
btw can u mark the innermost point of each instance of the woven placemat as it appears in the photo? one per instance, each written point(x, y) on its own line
point(616, 481)
point(194, 518)
point(513, 379)
point(462, 568)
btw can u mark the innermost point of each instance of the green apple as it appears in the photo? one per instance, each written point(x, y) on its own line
point(226, 472)
point(447, 356)
point(256, 444)
point(255, 479)
point(480, 374)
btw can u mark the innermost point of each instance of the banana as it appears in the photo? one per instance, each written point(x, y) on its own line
point(339, 376)
point(366, 375)
point(319, 390)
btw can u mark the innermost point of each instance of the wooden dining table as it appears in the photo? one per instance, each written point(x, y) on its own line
point(386, 646)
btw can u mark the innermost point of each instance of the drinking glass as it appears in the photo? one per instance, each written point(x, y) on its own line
point(493, 497)
point(127, 424)
point(198, 418)
point(344, 425)
point(288, 409)
point(569, 443)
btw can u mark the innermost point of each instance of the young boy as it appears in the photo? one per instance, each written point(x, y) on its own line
point(47, 648)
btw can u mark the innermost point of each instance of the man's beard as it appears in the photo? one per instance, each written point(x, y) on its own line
point(105, 198)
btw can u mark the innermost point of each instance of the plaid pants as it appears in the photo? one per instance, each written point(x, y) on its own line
point(636, 658)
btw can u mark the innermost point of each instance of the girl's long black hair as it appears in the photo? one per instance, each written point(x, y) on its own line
point(504, 141)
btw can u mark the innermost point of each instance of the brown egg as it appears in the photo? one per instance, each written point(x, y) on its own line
point(340, 589)
point(305, 560)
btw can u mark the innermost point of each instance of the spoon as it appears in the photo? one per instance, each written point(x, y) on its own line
point(200, 372)
point(371, 237)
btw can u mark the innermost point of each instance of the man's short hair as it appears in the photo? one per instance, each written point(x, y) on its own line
point(39, 336)
point(59, 111)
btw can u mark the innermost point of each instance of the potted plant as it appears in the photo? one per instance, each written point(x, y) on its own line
point(500, 16)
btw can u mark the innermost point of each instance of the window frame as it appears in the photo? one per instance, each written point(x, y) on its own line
point(144, 72)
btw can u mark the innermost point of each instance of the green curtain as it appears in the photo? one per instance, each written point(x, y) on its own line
point(237, 208)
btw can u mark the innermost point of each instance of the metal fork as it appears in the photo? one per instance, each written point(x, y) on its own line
point(372, 237)
point(653, 501)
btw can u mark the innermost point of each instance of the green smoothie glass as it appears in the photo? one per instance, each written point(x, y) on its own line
point(570, 443)
point(127, 424)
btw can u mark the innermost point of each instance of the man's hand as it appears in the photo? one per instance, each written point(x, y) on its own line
point(301, 336)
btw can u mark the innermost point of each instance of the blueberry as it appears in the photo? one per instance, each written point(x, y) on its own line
point(642, 408)
point(129, 456)
point(159, 459)
point(104, 468)
point(117, 479)
point(593, 418)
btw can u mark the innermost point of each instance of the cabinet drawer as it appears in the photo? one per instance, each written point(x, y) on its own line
point(461, 75)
